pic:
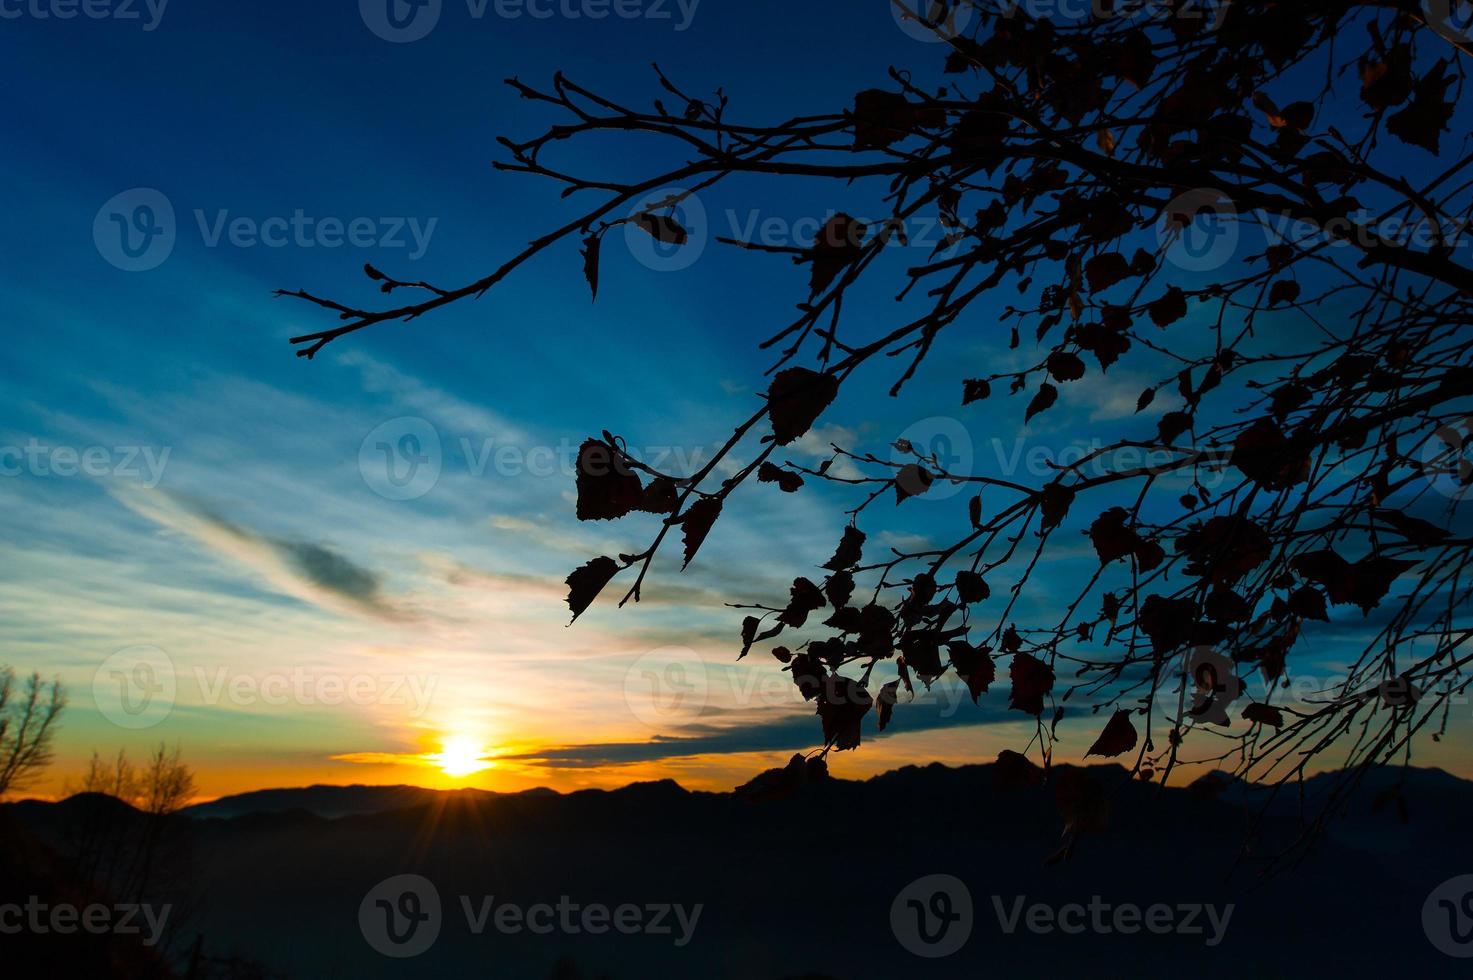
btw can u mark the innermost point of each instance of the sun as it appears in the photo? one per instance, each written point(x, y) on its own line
point(460, 756)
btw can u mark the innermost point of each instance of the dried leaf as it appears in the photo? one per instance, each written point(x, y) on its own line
point(662, 228)
point(889, 694)
point(1169, 308)
point(1264, 714)
point(1032, 679)
point(912, 480)
point(975, 390)
point(607, 488)
point(696, 522)
point(1118, 737)
point(1047, 395)
point(970, 587)
point(974, 666)
point(842, 705)
point(847, 555)
point(796, 398)
point(587, 582)
point(787, 481)
point(591, 247)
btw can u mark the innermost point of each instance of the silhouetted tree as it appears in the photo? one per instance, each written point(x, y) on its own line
point(27, 726)
point(1317, 387)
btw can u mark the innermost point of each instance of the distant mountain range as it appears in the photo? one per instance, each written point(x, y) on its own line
point(801, 875)
point(331, 802)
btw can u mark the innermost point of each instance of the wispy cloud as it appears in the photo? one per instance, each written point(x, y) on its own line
point(408, 393)
point(307, 570)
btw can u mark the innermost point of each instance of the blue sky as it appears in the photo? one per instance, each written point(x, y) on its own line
point(230, 522)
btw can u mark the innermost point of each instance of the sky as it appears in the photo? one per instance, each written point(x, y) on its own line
point(204, 537)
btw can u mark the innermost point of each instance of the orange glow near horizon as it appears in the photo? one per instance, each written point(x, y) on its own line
point(468, 756)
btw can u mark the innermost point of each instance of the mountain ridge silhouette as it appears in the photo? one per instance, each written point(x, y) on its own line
point(819, 861)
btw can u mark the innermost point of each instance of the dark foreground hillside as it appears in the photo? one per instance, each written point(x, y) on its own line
point(799, 877)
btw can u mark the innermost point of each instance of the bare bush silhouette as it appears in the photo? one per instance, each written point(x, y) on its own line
point(124, 857)
point(1318, 385)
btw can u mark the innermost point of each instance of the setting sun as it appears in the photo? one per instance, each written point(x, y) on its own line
point(460, 756)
